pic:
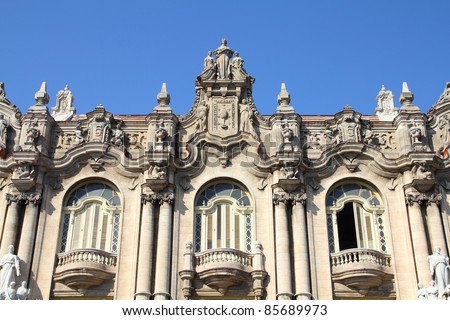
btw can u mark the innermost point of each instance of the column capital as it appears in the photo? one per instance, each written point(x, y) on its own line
point(434, 198)
point(32, 197)
point(168, 197)
point(280, 197)
point(152, 198)
point(419, 198)
point(299, 198)
point(14, 197)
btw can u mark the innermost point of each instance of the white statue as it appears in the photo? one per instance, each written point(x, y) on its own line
point(439, 270)
point(10, 268)
point(422, 293)
point(23, 292)
point(432, 291)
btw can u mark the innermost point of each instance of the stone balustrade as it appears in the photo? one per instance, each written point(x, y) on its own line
point(354, 256)
point(87, 256)
point(223, 256)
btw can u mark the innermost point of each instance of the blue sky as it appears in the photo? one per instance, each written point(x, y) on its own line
point(329, 53)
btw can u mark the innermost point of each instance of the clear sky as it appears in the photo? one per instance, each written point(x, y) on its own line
point(329, 53)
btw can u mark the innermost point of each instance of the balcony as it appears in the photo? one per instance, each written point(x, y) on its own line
point(83, 268)
point(361, 269)
point(223, 268)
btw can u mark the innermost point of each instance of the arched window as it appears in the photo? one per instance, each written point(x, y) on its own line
point(355, 218)
point(91, 218)
point(223, 218)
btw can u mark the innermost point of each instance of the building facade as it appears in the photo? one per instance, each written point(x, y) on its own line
point(224, 202)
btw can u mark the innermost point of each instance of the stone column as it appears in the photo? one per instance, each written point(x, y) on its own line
point(145, 263)
point(12, 220)
point(419, 237)
point(434, 223)
point(163, 251)
point(301, 250)
point(28, 233)
point(283, 257)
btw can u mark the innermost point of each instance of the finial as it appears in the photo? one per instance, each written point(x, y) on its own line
point(407, 97)
point(42, 97)
point(284, 98)
point(163, 96)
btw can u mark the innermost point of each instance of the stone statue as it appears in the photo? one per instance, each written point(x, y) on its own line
point(117, 138)
point(3, 93)
point(422, 293)
point(419, 171)
point(210, 69)
point(416, 134)
point(32, 132)
point(3, 131)
point(24, 171)
point(160, 133)
point(245, 124)
point(439, 270)
point(385, 109)
point(432, 291)
point(202, 117)
point(63, 110)
point(237, 68)
point(79, 132)
point(223, 54)
point(10, 268)
point(158, 171)
point(444, 125)
point(23, 292)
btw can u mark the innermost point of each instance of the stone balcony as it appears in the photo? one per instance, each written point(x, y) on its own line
point(83, 268)
point(361, 269)
point(223, 268)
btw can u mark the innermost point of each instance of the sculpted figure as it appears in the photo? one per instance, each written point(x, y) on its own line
point(79, 132)
point(209, 71)
point(117, 138)
point(32, 132)
point(420, 171)
point(23, 292)
point(422, 293)
point(223, 54)
point(237, 68)
point(416, 134)
point(246, 117)
point(439, 270)
point(3, 131)
point(202, 117)
point(10, 268)
point(432, 291)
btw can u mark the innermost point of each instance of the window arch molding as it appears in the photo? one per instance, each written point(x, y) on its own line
point(223, 216)
point(355, 217)
point(91, 217)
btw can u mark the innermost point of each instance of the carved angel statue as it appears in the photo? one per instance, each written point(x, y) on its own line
point(23, 292)
point(419, 171)
point(439, 270)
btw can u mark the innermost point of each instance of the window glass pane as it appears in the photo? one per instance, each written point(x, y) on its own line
point(351, 189)
point(223, 189)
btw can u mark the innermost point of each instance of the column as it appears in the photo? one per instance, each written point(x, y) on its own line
point(12, 220)
point(283, 258)
point(28, 233)
point(419, 238)
point(434, 223)
point(163, 251)
point(301, 250)
point(145, 263)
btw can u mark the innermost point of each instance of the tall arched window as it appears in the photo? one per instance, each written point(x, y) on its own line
point(91, 218)
point(355, 218)
point(223, 218)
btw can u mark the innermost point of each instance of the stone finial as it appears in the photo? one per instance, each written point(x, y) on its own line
point(41, 96)
point(284, 97)
point(407, 97)
point(163, 96)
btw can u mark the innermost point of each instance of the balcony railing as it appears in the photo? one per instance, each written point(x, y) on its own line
point(361, 268)
point(355, 256)
point(87, 256)
point(84, 268)
point(226, 256)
